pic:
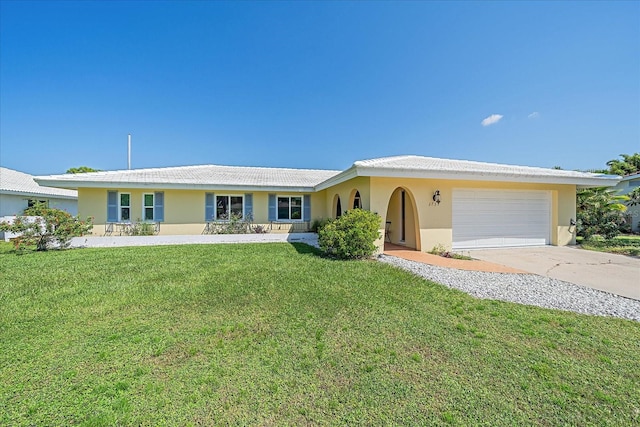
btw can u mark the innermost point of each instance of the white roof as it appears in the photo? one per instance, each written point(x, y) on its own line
point(435, 168)
point(210, 177)
point(241, 178)
point(22, 184)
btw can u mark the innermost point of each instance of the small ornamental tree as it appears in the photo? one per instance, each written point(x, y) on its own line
point(352, 236)
point(45, 228)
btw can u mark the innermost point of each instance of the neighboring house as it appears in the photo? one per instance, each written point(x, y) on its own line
point(424, 201)
point(626, 185)
point(18, 191)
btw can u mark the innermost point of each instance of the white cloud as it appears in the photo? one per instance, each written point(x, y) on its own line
point(534, 115)
point(492, 119)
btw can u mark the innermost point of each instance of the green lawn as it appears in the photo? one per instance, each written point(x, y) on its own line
point(273, 334)
point(623, 244)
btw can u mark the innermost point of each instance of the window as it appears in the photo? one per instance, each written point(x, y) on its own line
point(147, 211)
point(357, 203)
point(226, 205)
point(125, 207)
point(290, 208)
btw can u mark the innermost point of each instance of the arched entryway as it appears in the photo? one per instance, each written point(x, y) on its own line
point(402, 220)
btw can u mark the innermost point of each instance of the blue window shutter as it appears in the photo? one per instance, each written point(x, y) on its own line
point(306, 208)
point(158, 200)
point(209, 207)
point(248, 206)
point(112, 206)
point(272, 207)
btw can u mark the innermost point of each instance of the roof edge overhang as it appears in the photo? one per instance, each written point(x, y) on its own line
point(630, 177)
point(580, 181)
point(35, 194)
point(353, 172)
point(343, 176)
point(171, 186)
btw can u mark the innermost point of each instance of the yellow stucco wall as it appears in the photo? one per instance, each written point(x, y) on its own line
point(434, 221)
point(346, 191)
point(184, 210)
point(428, 224)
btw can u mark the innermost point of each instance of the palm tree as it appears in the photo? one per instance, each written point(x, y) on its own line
point(600, 211)
point(629, 164)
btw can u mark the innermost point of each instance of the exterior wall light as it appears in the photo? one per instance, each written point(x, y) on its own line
point(436, 196)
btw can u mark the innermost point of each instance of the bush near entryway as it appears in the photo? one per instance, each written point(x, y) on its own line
point(351, 236)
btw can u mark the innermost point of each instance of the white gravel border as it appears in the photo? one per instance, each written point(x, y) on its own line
point(530, 289)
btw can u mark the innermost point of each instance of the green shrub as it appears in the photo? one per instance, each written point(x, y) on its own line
point(352, 236)
point(442, 251)
point(259, 229)
point(317, 224)
point(47, 229)
point(236, 224)
point(143, 229)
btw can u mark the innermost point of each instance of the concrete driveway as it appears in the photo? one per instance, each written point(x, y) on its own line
point(617, 274)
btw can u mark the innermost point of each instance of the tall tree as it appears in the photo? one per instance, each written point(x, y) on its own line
point(82, 169)
point(629, 164)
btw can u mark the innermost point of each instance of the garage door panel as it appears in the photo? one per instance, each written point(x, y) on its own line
point(485, 219)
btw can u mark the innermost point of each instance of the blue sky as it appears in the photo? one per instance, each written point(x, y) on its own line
point(316, 84)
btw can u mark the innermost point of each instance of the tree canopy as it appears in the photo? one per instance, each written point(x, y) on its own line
point(600, 211)
point(629, 164)
point(82, 169)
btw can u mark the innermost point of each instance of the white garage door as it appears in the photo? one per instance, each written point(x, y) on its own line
point(500, 218)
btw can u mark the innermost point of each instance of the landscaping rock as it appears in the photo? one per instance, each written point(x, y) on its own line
point(530, 289)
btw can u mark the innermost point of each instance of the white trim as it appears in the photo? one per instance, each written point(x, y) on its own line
point(209, 188)
point(120, 207)
point(34, 194)
point(346, 175)
point(289, 196)
point(228, 196)
point(603, 181)
point(153, 206)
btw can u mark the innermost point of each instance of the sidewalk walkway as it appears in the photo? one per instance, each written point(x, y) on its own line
point(120, 241)
point(460, 264)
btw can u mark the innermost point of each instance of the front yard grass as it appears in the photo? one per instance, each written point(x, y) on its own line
point(272, 334)
point(623, 245)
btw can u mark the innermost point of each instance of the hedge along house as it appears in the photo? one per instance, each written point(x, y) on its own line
point(423, 201)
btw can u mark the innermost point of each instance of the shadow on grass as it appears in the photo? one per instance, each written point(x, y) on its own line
point(305, 249)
